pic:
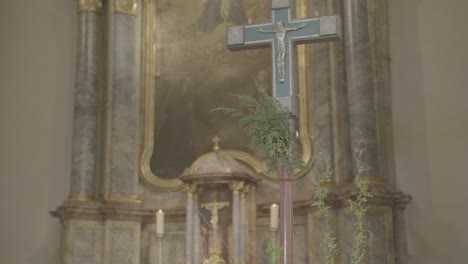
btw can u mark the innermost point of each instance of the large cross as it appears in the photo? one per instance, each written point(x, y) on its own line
point(281, 34)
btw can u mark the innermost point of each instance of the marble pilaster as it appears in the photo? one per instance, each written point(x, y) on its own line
point(85, 118)
point(122, 115)
point(360, 85)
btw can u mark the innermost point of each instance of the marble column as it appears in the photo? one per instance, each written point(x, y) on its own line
point(236, 187)
point(196, 229)
point(189, 223)
point(122, 101)
point(319, 90)
point(342, 162)
point(85, 119)
point(360, 85)
point(243, 225)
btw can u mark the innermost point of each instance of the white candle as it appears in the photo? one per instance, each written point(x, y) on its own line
point(160, 222)
point(274, 216)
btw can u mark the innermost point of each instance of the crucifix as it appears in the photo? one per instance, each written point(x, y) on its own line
point(281, 34)
point(214, 240)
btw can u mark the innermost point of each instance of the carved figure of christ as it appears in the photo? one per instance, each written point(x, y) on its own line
point(288, 32)
point(214, 207)
point(281, 32)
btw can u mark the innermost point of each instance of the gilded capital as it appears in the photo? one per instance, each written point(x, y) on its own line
point(245, 190)
point(128, 7)
point(89, 6)
point(192, 189)
point(236, 186)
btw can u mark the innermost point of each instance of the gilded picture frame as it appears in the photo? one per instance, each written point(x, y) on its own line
point(149, 86)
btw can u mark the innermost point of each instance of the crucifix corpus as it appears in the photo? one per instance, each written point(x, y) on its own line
point(281, 35)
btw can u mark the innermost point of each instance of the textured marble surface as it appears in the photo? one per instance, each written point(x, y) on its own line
point(122, 242)
point(360, 85)
point(83, 246)
point(84, 146)
point(379, 39)
point(82, 242)
point(125, 108)
point(173, 245)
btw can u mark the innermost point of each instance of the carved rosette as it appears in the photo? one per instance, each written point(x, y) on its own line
point(128, 7)
point(89, 6)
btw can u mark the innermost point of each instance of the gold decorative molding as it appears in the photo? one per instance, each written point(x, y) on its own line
point(149, 74)
point(123, 199)
point(89, 6)
point(331, 183)
point(149, 84)
point(372, 180)
point(128, 7)
point(81, 197)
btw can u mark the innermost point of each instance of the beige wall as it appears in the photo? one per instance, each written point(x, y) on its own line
point(429, 41)
point(37, 59)
point(429, 79)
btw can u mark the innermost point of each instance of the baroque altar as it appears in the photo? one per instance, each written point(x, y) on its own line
point(148, 73)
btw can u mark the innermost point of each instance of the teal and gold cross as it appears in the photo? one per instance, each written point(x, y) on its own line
point(282, 34)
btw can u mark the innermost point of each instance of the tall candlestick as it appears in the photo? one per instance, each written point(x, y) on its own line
point(274, 213)
point(160, 222)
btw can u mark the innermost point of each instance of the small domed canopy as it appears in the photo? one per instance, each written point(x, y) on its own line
point(217, 167)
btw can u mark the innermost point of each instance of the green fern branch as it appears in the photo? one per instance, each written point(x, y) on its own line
point(266, 123)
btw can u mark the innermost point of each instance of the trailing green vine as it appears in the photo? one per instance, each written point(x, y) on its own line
point(273, 252)
point(266, 123)
point(267, 126)
point(359, 205)
point(323, 178)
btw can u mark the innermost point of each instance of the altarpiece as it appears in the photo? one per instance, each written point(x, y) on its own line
point(149, 71)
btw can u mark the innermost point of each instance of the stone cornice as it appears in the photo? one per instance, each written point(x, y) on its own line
point(98, 211)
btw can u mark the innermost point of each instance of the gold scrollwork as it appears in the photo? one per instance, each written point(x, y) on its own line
point(89, 6)
point(128, 7)
point(149, 71)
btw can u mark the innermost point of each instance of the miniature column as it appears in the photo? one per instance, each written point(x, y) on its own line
point(84, 146)
point(196, 229)
point(236, 187)
point(191, 189)
point(361, 90)
point(243, 225)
